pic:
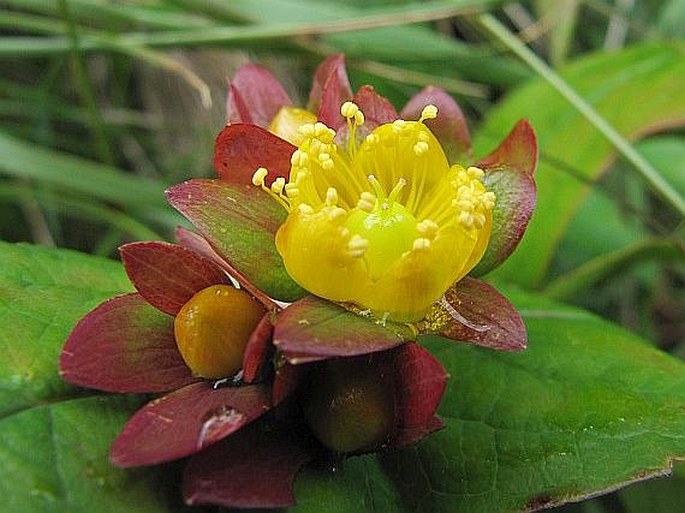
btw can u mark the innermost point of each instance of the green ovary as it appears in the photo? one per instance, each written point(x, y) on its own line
point(390, 233)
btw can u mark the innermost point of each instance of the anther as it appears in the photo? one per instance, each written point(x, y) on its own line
point(278, 185)
point(291, 190)
point(428, 112)
point(421, 244)
point(357, 246)
point(349, 110)
point(367, 202)
point(428, 228)
point(475, 173)
point(420, 148)
point(304, 208)
point(336, 213)
point(259, 176)
point(331, 197)
point(359, 118)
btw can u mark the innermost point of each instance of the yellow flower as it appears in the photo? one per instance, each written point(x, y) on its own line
point(385, 223)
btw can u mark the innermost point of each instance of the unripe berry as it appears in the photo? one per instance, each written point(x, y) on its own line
point(212, 330)
point(349, 404)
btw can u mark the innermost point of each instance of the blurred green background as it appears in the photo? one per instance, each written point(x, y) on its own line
point(104, 104)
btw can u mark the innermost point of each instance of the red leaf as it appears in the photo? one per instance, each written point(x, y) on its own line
point(449, 127)
point(167, 275)
point(493, 320)
point(254, 96)
point(240, 149)
point(509, 174)
point(186, 421)
point(377, 109)
point(240, 223)
point(314, 327)
point(253, 469)
point(258, 349)
point(518, 150)
point(330, 89)
point(420, 385)
point(124, 345)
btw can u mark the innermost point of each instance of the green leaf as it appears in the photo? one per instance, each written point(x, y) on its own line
point(636, 90)
point(587, 408)
point(53, 446)
point(144, 197)
point(43, 293)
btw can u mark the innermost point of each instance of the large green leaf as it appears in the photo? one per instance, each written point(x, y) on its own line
point(586, 408)
point(53, 444)
point(42, 294)
point(637, 90)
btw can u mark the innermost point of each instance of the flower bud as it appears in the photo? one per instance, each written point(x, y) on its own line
point(212, 330)
point(349, 404)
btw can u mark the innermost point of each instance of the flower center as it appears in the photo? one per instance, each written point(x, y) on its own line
point(384, 230)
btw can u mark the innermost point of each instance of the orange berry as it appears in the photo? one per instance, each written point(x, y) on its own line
point(212, 330)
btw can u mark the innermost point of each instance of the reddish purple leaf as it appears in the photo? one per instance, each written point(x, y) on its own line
point(186, 421)
point(252, 469)
point(240, 223)
point(258, 349)
point(124, 345)
point(318, 328)
point(449, 127)
point(254, 96)
point(167, 275)
point(377, 109)
point(199, 245)
point(509, 174)
point(330, 89)
point(240, 149)
point(480, 315)
point(420, 385)
point(518, 150)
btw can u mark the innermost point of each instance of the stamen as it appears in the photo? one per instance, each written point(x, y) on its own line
point(357, 246)
point(336, 213)
point(304, 208)
point(278, 185)
point(367, 202)
point(421, 244)
point(428, 112)
point(291, 190)
point(259, 176)
point(428, 228)
point(420, 148)
point(475, 173)
point(355, 118)
point(331, 197)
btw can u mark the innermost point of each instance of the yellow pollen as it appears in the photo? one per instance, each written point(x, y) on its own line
point(367, 201)
point(428, 112)
point(305, 209)
point(278, 185)
point(349, 110)
point(357, 246)
point(336, 213)
point(421, 244)
point(420, 148)
point(259, 176)
point(331, 197)
point(427, 228)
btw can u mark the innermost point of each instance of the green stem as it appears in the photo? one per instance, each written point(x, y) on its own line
point(644, 168)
